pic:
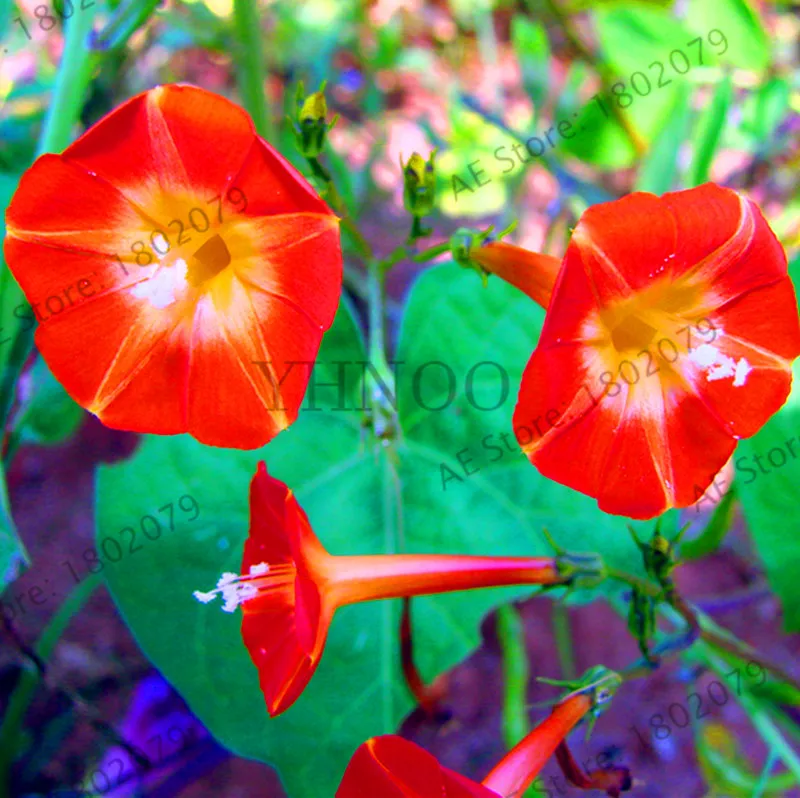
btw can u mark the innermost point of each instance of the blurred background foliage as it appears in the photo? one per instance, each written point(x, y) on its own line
point(714, 94)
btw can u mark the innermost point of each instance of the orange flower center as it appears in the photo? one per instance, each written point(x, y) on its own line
point(187, 246)
point(208, 261)
point(650, 332)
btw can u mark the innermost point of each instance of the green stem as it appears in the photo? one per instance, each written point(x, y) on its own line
point(720, 638)
point(23, 694)
point(72, 81)
point(404, 251)
point(128, 17)
point(511, 635)
point(634, 581)
point(334, 198)
point(251, 64)
point(563, 637)
point(377, 349)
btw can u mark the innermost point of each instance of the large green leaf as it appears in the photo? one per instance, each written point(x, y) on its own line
point(360, 499)
point(451, 318)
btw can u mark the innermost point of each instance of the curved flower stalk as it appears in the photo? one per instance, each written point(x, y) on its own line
point(291, 587)
point(392, 767)
point(671, 328)
point(177, 265)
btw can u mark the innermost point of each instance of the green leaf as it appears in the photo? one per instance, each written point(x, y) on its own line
point(530, 43)
point(360, 500)
point(453, 319)
point(49, 415)
point(709, 131)
point(636, 44)
point(748, 43)
point(709, 539)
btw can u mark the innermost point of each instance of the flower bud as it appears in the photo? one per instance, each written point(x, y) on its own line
point(419, 185)
point(311, 127)
point(659, 557)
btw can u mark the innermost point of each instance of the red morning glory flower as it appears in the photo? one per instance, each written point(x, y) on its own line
point(670, 333)
point(166, 253)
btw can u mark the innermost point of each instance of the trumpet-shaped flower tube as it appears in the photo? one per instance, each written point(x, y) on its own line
point(178, 265)
point(392, 767)
point(670, 332)
point(291, 587)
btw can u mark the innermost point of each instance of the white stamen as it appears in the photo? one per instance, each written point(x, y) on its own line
point(226, 579)
point(743, 368)
point(704, 355)
point(164, 287)
point(725, 368)
point(719, 366)
point(234, 588)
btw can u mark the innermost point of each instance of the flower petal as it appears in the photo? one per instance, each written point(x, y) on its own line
point(391, 767)
point(724, 242)
point(744, 373)
point(625, 244)
point(567, 427)
point(284, 628)
point(175, 138)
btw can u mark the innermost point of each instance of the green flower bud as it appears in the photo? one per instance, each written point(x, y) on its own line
point(659, 557)
point(419, 185)
point(311, 126)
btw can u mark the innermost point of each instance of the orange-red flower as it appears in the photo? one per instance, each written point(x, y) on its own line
point(391, 767)
point(163, 253)
point(669, 335)
point(291, 587)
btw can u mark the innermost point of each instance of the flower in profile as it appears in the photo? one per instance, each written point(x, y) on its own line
point(391, 766)
point(291, 587)
point(670, 332)
point(166, 254)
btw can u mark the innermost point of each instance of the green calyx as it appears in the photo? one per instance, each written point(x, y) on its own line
point(599, 682)
point(310, 125)
point(465, 241)
point(659, 555)
point(578, 569)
